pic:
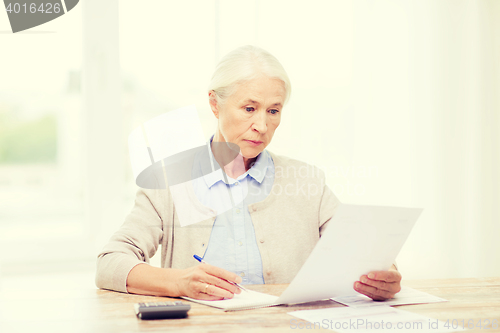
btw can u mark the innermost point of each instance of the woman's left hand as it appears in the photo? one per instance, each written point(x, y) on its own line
point(379, 285)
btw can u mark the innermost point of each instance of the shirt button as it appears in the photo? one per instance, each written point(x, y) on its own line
point(262, 241)
point(236, 183)
point(237, 211)
point(268, 272)
point(240, 243)
point(242, 274)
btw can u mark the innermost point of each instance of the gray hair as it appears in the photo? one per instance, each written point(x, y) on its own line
point(243, 64)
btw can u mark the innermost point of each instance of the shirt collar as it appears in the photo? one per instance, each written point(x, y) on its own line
point(257, 171)
point(259, 168)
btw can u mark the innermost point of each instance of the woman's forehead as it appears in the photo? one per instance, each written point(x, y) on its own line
point(256, 101)
point(261, 89)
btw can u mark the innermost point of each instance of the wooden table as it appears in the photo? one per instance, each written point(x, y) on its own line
point(92, 310)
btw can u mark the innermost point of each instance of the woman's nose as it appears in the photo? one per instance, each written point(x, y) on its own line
point(260, 122)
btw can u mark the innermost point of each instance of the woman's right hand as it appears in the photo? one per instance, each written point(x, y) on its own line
point(207, 282)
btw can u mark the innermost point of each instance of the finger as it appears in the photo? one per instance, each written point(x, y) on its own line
point(214, 291)
point(201, 291)
point(375, 298)
point(393, 287)
point(372, 292)
point(387, 276)
point(207, 297)
point(221, 273)
point(222, 284)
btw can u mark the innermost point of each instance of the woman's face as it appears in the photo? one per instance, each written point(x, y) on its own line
point(250, 115)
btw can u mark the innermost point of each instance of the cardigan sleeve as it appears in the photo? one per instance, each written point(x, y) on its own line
point(134, 243)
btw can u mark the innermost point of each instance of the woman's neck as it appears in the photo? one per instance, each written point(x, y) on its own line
point(232, 166)
point(236, 167)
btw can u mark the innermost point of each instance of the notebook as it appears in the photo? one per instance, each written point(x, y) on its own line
point(359, 239)
point(246, 300)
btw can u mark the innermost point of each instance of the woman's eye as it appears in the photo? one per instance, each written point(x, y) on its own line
point(273, 111)
point(249, 109)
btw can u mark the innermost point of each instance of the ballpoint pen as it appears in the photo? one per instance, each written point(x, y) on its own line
point(204, 262)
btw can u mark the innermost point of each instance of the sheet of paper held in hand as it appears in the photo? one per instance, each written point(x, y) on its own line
point(359, 239)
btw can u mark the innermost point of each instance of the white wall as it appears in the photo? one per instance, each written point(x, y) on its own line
point(396, 100)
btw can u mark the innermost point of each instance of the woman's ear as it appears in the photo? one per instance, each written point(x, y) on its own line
point(214, 103)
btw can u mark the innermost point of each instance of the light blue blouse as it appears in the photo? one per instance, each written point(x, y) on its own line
point(232, 244)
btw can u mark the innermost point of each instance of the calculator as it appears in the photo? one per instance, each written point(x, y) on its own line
point(161, 310)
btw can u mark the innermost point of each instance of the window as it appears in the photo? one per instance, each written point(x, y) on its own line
point(41, 161)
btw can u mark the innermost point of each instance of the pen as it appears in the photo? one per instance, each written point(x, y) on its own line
point(204, 262)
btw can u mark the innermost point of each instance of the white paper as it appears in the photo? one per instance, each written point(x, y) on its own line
point(406, 296)
point(246, 300)
point(359, 239)
point(367, 319)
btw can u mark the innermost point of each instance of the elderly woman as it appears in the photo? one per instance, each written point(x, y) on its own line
point(274, 218)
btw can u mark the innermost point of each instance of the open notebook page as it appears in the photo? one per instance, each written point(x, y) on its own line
point(246, 300)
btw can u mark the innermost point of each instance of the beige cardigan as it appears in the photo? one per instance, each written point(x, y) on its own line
point(288, 223)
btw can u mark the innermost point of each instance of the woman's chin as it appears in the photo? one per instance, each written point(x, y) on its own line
point(251, 153)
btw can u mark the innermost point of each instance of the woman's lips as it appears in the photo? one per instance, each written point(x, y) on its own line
point(254, 143)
